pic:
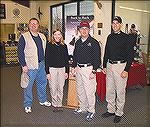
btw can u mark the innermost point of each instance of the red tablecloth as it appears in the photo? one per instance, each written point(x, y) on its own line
point(137, 76)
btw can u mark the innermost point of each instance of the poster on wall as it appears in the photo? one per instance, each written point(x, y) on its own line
point(72, 34)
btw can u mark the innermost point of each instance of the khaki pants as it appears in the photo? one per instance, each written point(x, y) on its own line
point(85, 89)
point(56, 85)
point(115, 88)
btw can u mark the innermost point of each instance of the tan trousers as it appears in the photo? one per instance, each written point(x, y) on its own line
point(85, 89)
point(115, 88)
point(56, 85)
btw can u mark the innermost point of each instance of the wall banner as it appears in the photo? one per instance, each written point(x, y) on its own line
point(72, 33)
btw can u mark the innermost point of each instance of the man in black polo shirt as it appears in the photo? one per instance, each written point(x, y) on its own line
point(86, 60)
point(118, 58)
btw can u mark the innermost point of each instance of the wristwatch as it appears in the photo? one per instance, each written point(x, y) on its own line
point(94, 71)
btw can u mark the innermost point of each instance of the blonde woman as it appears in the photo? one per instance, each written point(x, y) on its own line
point(57, 68)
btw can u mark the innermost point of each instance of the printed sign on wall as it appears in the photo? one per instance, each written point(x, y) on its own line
point(72, 34)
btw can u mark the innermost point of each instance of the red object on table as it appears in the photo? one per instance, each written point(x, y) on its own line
point(101, 85)
point(137, 76)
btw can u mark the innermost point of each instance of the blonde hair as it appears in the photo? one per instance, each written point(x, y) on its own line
point(52, 39)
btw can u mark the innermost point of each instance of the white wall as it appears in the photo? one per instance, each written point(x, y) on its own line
point(103, 16)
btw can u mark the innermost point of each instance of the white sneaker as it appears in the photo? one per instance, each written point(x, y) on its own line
point(90, 116)
point(46, 103)
point(78, 110)
point(27, 109)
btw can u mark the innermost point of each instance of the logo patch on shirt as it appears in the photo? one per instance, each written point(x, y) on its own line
point(89, 44)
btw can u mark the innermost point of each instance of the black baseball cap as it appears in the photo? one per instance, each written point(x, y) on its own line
point(118, 18)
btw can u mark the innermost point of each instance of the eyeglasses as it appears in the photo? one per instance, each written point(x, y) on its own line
point(34, 24)
point(84, 28)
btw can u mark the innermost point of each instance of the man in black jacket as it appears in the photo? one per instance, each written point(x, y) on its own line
point(118, 58)
point(86, 60)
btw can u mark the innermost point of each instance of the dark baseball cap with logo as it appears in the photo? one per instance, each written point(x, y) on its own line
point(84, 24)
point(118, 18)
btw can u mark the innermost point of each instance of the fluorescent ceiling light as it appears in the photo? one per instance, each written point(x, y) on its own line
point(134, 9)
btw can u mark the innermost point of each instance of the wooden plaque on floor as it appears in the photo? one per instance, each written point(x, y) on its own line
point(72, 101)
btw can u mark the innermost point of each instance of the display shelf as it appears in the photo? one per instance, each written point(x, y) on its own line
point(11, 56)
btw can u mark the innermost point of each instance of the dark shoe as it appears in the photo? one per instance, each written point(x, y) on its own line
point(117, 119)
point(57, 109)
point(60, 109)
point(90, 116)
point(107, 114)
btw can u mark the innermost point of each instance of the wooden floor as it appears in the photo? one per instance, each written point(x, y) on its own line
point(136, 109)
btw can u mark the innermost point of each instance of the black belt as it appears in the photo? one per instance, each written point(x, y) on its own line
point(116, 62)
point(84, 65)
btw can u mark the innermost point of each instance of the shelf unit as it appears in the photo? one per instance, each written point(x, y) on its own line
point(11, 56)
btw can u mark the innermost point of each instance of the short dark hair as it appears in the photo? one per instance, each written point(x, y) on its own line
point(34, 19)
point(118, 18)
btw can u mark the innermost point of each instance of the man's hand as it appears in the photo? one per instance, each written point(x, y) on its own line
point(25, 69)
point(91, 76)
point(104, 70)
point(124, 74)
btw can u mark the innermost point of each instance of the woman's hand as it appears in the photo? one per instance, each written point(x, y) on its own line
point(48, 76)
point(91, 76)
point(72, 72)
point(66, 75)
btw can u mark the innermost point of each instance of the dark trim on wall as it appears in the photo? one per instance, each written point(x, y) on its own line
point(25, 3)
point(63, 21)
point(56, 5)
point(148, 47)
point(78, 8)
point(51, 21)
point(113, 11)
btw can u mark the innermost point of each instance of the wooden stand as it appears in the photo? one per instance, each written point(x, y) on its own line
point(72, 101)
